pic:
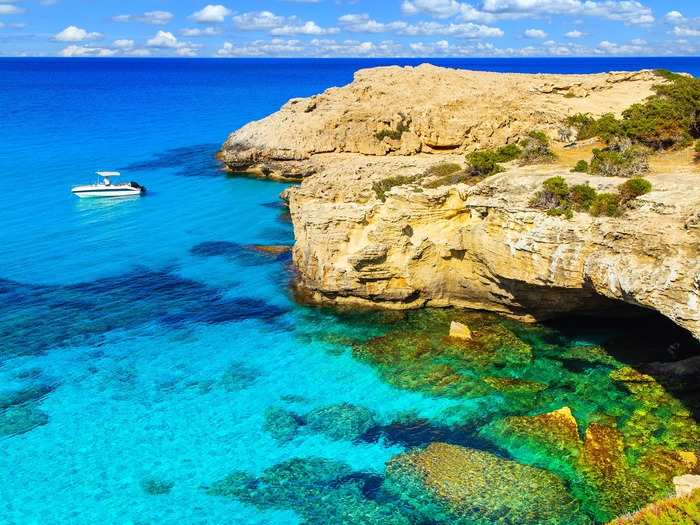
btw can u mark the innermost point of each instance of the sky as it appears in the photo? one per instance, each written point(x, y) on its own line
point(354, 28)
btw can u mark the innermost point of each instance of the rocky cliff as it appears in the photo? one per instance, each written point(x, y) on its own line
point(476, 246)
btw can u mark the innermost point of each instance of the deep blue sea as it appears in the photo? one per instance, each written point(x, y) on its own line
point(142, 341)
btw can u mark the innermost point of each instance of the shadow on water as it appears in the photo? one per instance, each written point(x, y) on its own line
point(36, 317)
point(646, 341)
point(190, 161)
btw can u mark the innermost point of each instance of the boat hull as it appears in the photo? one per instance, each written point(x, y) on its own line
point(116, 192)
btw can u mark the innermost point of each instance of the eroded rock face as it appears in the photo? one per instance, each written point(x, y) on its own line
point(484, 247)
point(481, 246)
point(406, 110)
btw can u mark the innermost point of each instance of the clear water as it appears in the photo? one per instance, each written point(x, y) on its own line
point(145, 353)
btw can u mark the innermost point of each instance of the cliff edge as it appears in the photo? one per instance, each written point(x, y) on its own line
point(468, 245)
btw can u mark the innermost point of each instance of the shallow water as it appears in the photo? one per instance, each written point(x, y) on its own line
point(144, 344)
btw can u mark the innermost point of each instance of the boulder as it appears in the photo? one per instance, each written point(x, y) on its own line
point(686, 484)
point(460, 331)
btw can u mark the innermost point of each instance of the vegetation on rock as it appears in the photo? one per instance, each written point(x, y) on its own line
point(669, 118)
point(536, 149)
point(581, 167)
point(673, 511)
point(382, 187)
point(560, 199)
point(620, 160)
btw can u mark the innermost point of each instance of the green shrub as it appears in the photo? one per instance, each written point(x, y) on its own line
point(697, 146)
point(581, 167)
point(667, 119)
point(450, 180)
point(553, 197)
point(625, 161)
point(606, 205)
point(443, 169)
point(536, 149)
point(633, 188)
point(483, 163)
point(382, 187)
point(508, 153)
point(582, 196)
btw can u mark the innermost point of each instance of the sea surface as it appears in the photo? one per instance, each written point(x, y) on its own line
point(147, 350)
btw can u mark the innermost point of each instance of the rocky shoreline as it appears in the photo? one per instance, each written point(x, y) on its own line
point(479, 246)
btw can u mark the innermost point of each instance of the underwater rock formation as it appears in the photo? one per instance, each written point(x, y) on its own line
point(319, 490)
point(342, 421)
point(674, 511)
point(479, 488)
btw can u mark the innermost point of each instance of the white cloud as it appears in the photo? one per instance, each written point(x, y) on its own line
point(150, 17)
point(686, 32)
point(364, 24)
point(83, 51)
point(307, 28)
point(196, 31)
point(75, 34)
point(166, 40)
point(575, 34)
point(260, 20)
point(123, 43)
point(211, 13)
point(274, 47)
point(163, 39)
point(535, 33)
point(674, 17)
point(280, 25)
point(6, 9)
point(627, 11)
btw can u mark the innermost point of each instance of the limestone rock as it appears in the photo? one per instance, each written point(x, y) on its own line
point(460, 331)
point(686, 485)
point(476, 487)
point(479, 246)
point(406, 110)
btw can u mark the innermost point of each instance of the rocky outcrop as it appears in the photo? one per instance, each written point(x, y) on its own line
point(427, 109)
point(478, 246)
point(484, 247)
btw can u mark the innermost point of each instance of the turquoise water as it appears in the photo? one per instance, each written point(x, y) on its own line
point(144, 340)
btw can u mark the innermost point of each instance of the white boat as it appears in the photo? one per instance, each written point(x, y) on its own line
point(105, 188)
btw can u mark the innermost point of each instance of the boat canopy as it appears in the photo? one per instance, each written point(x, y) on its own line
point(108, 173)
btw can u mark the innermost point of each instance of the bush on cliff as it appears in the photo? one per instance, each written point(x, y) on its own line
point(582, 196)
point(487, 162)
point(606, 205)
point(536, 149)
point(382, 187)
point(633, 188)
point(554, 198)
point(668, 119)
point(443, 169)
point(581, 167)
point(561, 200)
point(620, 160)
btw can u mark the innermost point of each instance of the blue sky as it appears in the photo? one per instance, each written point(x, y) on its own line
point(349, 28)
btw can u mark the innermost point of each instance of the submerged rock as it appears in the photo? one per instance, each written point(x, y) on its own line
point(319, 490)
point(673, 511)
point(479, 488)
point(281, 424)
point(341, 422)
point(238, 376)
point(554, 435)
point(460, 331)
point(686, 485)
point(156, 487)
point(21, 419)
